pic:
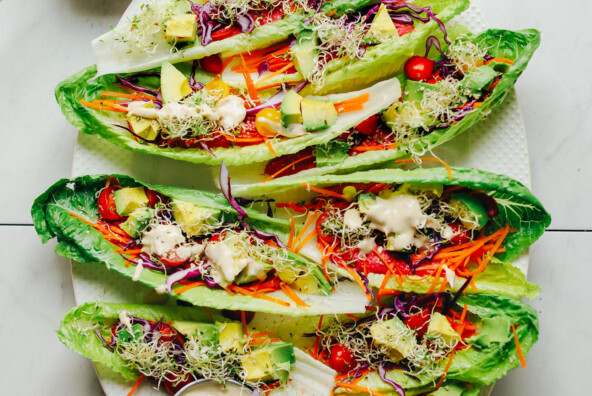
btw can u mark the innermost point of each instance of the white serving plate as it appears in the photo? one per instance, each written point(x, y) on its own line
point(497, 145)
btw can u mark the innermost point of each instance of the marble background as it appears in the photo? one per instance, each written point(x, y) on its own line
point(42, 42)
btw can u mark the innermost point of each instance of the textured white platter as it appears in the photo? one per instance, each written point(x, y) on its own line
point(497, 145)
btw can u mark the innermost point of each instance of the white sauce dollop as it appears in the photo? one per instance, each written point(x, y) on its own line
point(352, 219)
point(161, 239)
point(224, 267)
point(366, 245)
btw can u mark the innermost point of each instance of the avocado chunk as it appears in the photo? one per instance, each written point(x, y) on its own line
point(396, 336)
point(181, 28)
point(317, 114)
point(469, 208)
point(331, 153)
point(439, 326)
point(193, 219)
point(493, 331)
point(479, 79)
point(382, 26)
point(145, 127)
point(304, 53)
point(128, 199)
point(449, 390)
point(414, 90)
point(137, 221)
point(290, 109)
point(205, 332)
point(173, 84)
point(232, 336)
point(255, 270)
point(272, 362)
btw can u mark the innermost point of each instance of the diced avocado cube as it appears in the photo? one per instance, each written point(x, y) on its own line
point(255, 270)
point(125, 336)
point(493, 331)
point(193, 219)
point(479, 79)
point(137, 221)
point(173, 84)
point(232, 336)
point(128, 199)
point(181, 28)
point(272, 362)
point(317, 114)
point(207, 333)
point(439, 326)
point(449, 390)
point(307, 284)
point(365, 201)
point(414, 90)
point(396, 336)
point(287, 275)
point(290, 109)
point(382, 25)
point(468, 203)
point(304, 53)
point(331, 153)
point(144, 127)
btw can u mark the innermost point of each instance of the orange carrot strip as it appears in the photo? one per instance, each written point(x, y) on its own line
point(305, 240)
point(357, 387)
point(292, 230)
point(352, 104)
point(257, 295)
point(250, 87)
point(136, 385)
point(503, 60)
point(100, 107)
point(310, 220)
point(275, 73)
point(405, 161)
point(363, 149)
point(464, 313)
point(244, 322)
point(286, 167)
point(323, 191)
point(244, 140)
point(189, 286)
point(263, 340)
point(270, 147)
point(518, 348)
point(446, 368)
point(436, 277)
point(293, 296)
point(358, 281)
point(259, 335)
point(332, 12)
point(352, 316)
point(124, 95)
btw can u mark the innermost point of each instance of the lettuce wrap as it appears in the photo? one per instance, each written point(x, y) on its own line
point(399, 221)
point(193, 245)
point(398, 132)
point(422, 343)
point(181, 344)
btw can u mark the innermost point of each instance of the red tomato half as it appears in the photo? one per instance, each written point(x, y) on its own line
point(106, 204)
point(462, 235)
point(341, 359)
point(212, 64)
point(153, 197)
point(418, 68)
point(419, 322)
point(368, 126)
point(173, 389)
point(225, 33)
point(172, 259)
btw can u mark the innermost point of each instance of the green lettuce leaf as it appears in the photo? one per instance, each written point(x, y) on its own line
point(518, 208)
point(77, 329)
point(52, 215)
point(519, 45)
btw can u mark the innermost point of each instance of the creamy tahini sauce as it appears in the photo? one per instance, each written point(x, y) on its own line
point(352, 219)
point(366, 245)
point(162, 239)
point(224, 267)
point(400, 216)
point(232, 112)
point(213, 389)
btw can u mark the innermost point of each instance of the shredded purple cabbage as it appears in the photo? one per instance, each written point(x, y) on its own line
point(146, 263)
point(246, 23)
point(275, 100)
point(195, 85)
point(449, 304)
point(265, 236)
point(398, 388)
point(181, 275)
point(226, 191)
point(205, 147)
point(135, 134)
point(109, 345)
point(263, 67)
point(131, 80)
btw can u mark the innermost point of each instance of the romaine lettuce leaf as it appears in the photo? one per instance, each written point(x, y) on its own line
point(52, 211)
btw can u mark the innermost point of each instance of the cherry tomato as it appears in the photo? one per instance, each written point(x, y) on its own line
point(212, 64)
point(375, 265)
point(153, 197)
point(341, 359)
point(225, 33)
point(418, 68)
point(106, 204)
point(419, 322)
point(368, 126)
point(172, 259)
point(173, 389)
point(461, 234)
point(266, 120)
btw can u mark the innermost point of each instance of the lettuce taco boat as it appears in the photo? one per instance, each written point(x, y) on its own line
point(189, 244)
point(443, 344)
point(421, 230)
point(174, 346)
point(445, 94)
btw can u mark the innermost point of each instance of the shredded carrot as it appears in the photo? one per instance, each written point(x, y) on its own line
point(124, 95)
point(464, 313)
point(227, 62)
point(101, 107)
point(270, 147)
point(250, 87)
point(188, 287)
point(404, 161)
point(389, 292)
point(446, 369)
point(244, 322)
point(287, 167)
point(259, 335)
point(263, 340)
point(518, 348)
point(244, 140)
point(106, 233)
point(358, 281)
point(436, 278)
point(275, 73)
point(136, 385)
point(352, 316)
point(502, 60)
point(257, 295)
point(312, 217)
point(352, 104)
point(323, 191)
point(209, 314)
point(477, 104)
point(384, 283)
point(293, 296)
point(357, 387)
point(363, 149)
point(332, 12)
point(305, 240)
point(292, 230)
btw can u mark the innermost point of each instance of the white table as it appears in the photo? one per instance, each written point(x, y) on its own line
point(42, 42)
